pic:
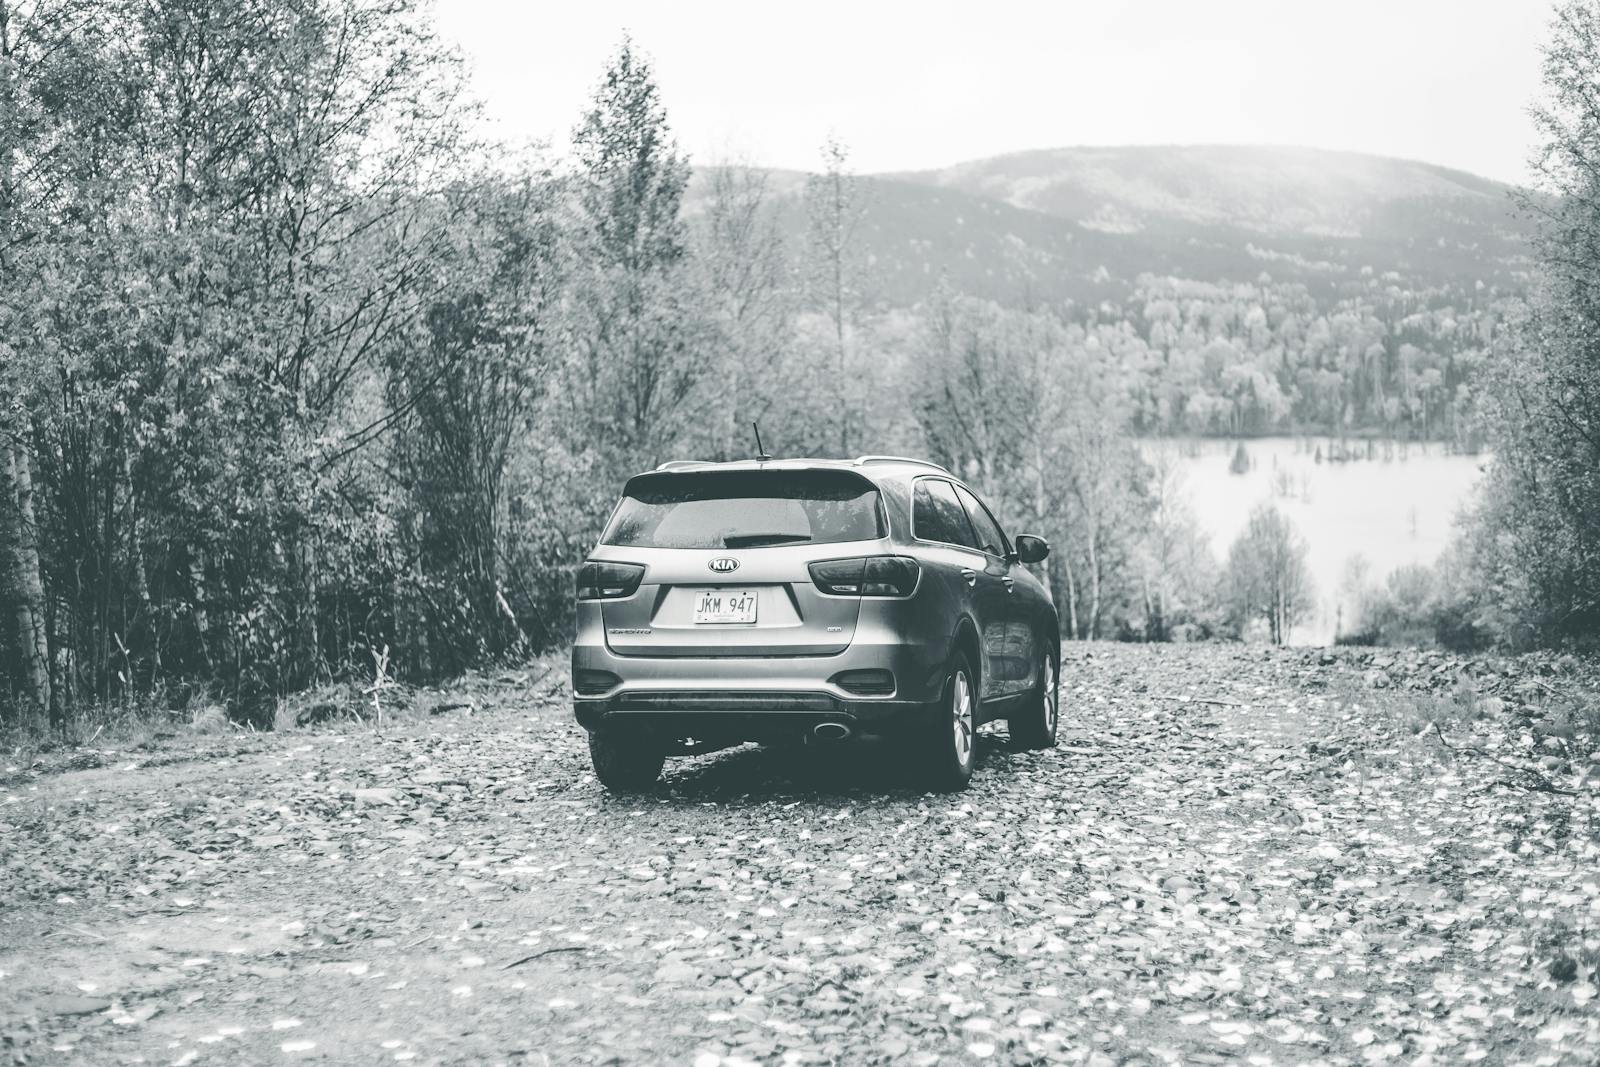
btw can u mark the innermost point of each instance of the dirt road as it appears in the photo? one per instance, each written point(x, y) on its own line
point(1292, 873)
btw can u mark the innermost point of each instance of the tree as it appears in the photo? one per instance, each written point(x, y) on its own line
point(43, 73)
point(1104, 487)
point(1177, 568)
point(469, 386)
point(989, 405)
point(1240, 463)
point(978, 386)
point(1536, 532)
point(229, 226)
point(833, 213)
point(23, 587)
point(635, 335)
point(1267, 577)
point(739, 252)
point(1035, 414)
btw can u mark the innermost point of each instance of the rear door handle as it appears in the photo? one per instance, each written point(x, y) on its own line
point(970, 575)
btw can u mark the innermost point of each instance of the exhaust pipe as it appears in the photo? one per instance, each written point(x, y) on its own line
point(830, 731)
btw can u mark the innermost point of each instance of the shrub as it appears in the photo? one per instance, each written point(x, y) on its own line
point(1240, 463)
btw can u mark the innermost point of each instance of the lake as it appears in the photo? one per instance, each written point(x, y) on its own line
point(1396, 509)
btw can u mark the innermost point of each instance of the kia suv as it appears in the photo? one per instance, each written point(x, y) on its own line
point(812, 601)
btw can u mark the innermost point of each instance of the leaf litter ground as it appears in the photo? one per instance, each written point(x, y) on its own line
point(1234, 854)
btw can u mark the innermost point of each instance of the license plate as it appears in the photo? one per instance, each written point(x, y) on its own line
point(717, 606)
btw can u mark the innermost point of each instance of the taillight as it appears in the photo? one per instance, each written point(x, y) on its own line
point(608, 581)
point(866, 576)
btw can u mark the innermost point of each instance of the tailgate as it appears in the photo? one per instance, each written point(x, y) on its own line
point(766, 605)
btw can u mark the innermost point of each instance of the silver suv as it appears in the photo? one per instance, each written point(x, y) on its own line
point(809, 600)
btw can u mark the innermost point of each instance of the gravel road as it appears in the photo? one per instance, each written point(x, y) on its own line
point(1294, 872)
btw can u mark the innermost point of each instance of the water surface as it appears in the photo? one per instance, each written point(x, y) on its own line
point(1395, 509)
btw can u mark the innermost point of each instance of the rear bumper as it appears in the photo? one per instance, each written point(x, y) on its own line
point(726, 715)
point(754, 698)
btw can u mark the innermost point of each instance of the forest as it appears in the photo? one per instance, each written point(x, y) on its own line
point(305, 379)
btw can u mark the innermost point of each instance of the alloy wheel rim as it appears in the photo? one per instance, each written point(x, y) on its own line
point(1050, 704)
point(961, 716)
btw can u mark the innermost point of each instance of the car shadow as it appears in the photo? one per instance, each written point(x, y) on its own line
point(760, 774)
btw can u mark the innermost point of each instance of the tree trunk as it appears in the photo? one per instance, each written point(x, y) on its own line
point(308, 637)
point(1152, 621)
point(1094, 584)
point(1040, 510)
point(198, 599)
point(1279, 626)
point(23, 578)
point(838, 310)
point(1163, 597)
point(1072, 596)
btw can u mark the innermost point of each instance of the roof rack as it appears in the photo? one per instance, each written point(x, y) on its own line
point(674, 464)
point(863, 460)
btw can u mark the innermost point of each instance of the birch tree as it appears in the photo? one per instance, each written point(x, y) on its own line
point(1267, 578)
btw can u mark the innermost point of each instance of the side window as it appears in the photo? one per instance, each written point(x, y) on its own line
point(990, 539)
point(936, 514)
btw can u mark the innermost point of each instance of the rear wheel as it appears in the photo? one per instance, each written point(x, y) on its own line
point(1034, 726)
point(624, 764)
point(952, 739)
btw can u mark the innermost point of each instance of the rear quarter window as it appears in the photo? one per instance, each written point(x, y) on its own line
point(938, 516)
point(990, 537)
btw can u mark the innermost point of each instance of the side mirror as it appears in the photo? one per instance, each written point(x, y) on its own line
point(1031, 549)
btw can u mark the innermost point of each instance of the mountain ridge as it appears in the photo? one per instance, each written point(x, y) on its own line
point(1193, 181)
point(1084, 223)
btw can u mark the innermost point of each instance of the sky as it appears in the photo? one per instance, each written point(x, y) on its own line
point(910, 86)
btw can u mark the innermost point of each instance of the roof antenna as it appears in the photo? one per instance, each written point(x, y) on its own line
point(761, 450)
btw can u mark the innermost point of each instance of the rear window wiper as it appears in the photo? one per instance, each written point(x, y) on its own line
point(752, 540)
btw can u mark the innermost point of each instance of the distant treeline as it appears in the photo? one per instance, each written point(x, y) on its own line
point(1244, 360)
point(1258, 359)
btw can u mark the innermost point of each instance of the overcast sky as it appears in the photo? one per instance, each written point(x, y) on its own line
point(914, 85)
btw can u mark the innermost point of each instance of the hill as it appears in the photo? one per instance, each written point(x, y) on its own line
point(1082, 224)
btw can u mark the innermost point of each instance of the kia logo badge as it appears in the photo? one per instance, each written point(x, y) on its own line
point(724, 564)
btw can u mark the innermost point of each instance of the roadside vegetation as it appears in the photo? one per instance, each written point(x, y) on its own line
point(303, 383)
point(1526, 568)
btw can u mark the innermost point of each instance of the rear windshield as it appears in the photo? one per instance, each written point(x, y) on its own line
point(745, 510)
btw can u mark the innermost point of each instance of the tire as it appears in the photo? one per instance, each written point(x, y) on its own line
point(624, 764)
point(1034, 725)
point(951, 741)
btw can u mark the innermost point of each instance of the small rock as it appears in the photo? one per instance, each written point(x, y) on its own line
point(71, 1004)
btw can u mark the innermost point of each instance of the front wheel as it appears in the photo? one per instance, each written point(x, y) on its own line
point(624, 764)
point(1034, 726)
point(952, 739)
